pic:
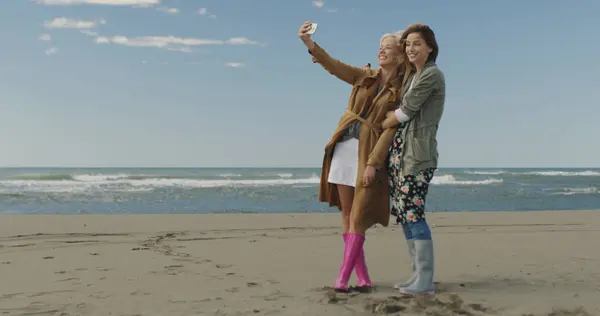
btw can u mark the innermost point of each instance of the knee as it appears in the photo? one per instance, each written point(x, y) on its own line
point(346, 216)
point(420, 230)
point(356, 226)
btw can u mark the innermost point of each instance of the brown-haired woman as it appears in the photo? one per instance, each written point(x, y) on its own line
point(413, 153)
point(353, 176)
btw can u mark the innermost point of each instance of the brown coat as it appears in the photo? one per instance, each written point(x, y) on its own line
point(371, 203)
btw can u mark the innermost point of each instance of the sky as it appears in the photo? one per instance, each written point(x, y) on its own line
point(228, 83)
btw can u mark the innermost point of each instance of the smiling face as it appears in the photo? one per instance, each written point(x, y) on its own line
point(389, 52)
point(417, 49)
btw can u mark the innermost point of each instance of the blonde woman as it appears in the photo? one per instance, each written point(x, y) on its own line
point(354, 177)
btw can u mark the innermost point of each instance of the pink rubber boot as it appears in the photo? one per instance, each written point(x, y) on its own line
point(362, 272)
point(352, 250)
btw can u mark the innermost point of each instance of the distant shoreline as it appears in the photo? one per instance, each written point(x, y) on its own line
point(292, 167)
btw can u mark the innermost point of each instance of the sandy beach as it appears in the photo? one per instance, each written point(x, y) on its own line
point(529, 263)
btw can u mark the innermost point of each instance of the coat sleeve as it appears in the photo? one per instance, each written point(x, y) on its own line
point(414, 99)
point(382, 147)
point(344, 72)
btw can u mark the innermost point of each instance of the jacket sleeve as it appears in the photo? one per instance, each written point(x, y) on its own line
point(382, 148)
point(414, 99)
point(344, 72)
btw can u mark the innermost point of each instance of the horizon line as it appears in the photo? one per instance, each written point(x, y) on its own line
point(254, 167)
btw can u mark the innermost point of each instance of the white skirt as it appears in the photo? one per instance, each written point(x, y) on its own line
point(344, 164)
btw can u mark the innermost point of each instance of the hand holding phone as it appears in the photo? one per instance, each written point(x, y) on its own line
point(313, 28)
point(307, 29)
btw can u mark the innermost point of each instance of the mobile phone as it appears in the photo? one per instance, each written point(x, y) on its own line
point(313, 29)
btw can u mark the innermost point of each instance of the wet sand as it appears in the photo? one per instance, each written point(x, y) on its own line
point(503, 263)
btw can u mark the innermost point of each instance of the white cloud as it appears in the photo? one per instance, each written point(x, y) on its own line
point(51, 51)
point(168, 10)
point(180, 49)
point(321, 5)
point(45, 37)
point(232, 64)
point(65, 23)
point(204, 11)
point(89, 33)
point(171, 42)
point(138, 3)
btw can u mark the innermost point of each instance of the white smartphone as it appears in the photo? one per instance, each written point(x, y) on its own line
point(313, 28)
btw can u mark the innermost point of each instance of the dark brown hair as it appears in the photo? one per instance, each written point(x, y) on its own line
point(428, 36)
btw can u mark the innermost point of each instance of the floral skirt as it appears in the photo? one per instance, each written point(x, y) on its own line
point(407, 192)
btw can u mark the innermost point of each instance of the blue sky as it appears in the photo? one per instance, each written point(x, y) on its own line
point(228, 83)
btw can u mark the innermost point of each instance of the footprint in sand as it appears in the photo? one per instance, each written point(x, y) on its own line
point(10, 295)
point(173, 269)
point(429, 305)
point(223, 266)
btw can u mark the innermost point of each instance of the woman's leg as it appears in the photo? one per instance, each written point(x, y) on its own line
point(396, 182)
point(353, 253)
point(417, 232)
point(346, 194)
point(354, 258)
point(362, 272)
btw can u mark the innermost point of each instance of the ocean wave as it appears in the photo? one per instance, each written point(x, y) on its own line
point(578, 191)
point(587, 173)
point(135, 183)
point(449, 179)
point(98, 177)
point(489, 173)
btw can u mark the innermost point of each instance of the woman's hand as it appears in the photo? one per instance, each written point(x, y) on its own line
point(304, 35)
point(390, 120)
point(368, 175)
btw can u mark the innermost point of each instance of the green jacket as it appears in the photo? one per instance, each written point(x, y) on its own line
point(424, 104)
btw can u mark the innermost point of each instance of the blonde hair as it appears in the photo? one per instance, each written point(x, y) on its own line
point(397, 37)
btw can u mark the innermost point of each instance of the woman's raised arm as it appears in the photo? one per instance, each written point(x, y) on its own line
point(344, 72)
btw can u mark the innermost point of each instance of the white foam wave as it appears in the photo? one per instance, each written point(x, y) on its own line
point(578, 191)
point(124, 184)
point(587, 173)
point(490, 173)
point(449, 179)
point(99, 177)
point(230, 175)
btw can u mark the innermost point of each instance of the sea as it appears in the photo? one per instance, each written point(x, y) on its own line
point(276, 190)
